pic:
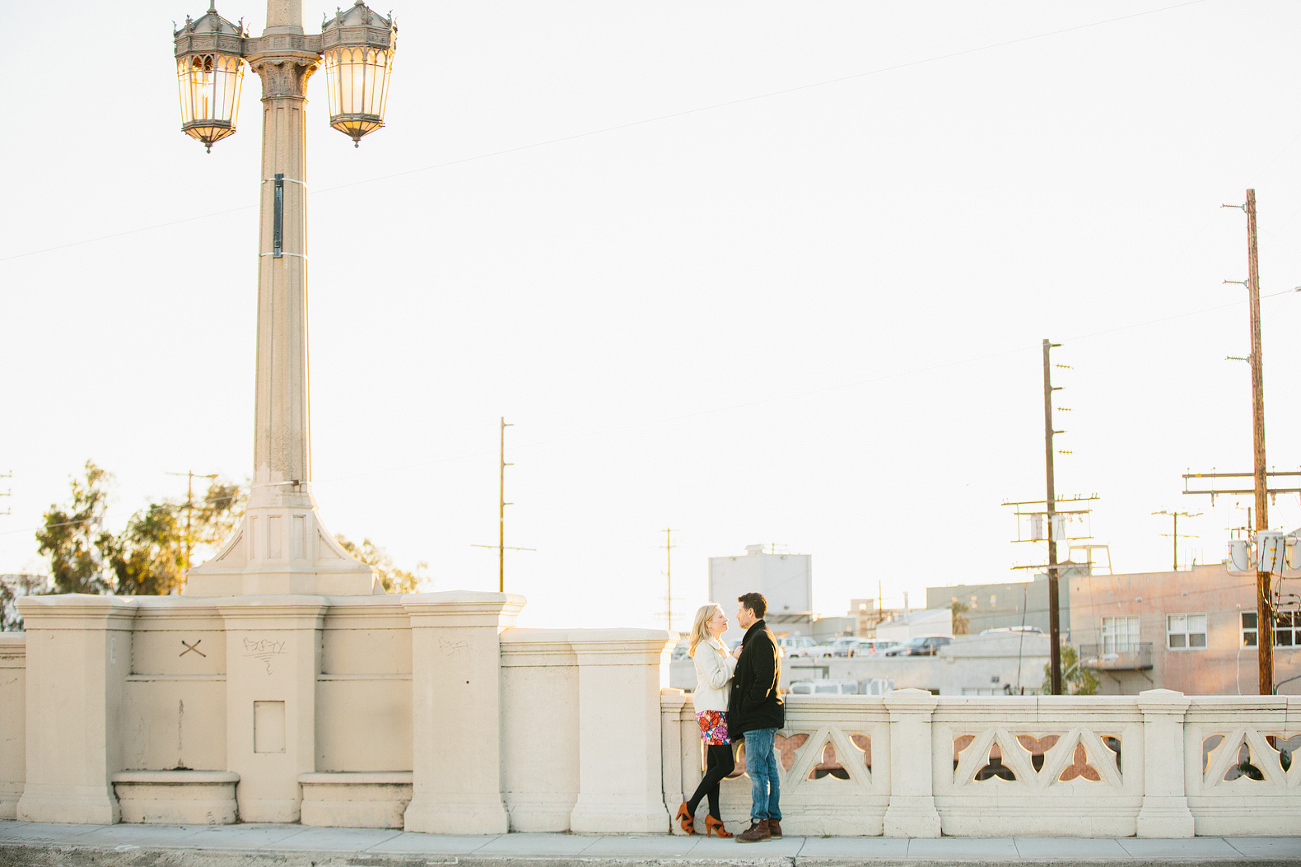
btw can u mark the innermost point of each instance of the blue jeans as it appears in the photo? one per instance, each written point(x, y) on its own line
point(761, 765)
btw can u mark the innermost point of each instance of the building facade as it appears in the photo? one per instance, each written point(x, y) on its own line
point(1194, 631)
point(1011, 603)
point(785, 580)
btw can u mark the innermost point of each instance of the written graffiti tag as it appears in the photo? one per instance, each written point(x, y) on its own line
point(265, 649)
point(452, 648)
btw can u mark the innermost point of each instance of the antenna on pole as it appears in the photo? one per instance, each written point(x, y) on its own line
point(190, 475)
point(501, 517)
point(668, 554)
point(1174, 534)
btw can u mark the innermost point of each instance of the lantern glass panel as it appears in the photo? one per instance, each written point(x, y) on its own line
point(209, 91)
point(357, 83)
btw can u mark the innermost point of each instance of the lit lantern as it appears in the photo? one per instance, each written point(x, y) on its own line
point(209, 69)
point(357, 47)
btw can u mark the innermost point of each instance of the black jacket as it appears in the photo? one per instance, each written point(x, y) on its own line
point(755, 702)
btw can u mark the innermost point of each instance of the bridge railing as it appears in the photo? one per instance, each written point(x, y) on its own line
point(1159, 764)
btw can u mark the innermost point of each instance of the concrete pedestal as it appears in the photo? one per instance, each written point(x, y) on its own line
point(912, 810)
point(272, 658)
point(620, 675)
point(1165, 810)
point(456, 711)
point(78, 658)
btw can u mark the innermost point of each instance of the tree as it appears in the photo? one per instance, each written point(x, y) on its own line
point(960, 624)
point(395, 580)
point(149, 556)
point(11, 588)
point(75, 539)
point(1073, 674)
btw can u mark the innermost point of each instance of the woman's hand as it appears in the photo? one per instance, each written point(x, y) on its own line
point(737, 651)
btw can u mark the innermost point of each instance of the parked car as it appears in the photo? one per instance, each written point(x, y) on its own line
point(844, 646)
point(920, 645)
point(794, 646)
point(823, 687)
point(874, 646)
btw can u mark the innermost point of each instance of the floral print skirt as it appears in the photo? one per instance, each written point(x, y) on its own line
point(713, 727)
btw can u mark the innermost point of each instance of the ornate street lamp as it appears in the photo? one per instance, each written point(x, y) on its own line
point(282, 547)
point(358, 47)
point(210, 70)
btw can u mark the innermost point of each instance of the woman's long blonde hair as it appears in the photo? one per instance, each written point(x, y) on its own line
point(699, 630)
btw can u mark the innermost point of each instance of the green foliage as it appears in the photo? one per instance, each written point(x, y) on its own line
point(1082, 678)
point(149, 556)
point(395, 580)
point(74, 537)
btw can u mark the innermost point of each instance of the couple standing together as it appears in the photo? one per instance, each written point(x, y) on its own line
point(736, 698)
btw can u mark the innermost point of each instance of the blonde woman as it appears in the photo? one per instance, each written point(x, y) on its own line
point(714, 668)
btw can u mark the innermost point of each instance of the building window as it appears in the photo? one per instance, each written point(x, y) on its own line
point(1119, 634)
point(1287, 628)
point(993, 600)
point(1185, 631)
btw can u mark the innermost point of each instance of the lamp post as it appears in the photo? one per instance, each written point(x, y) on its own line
point(282, 547)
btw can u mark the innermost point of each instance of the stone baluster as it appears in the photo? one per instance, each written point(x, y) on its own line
point(1165, 810)
point(912, 810)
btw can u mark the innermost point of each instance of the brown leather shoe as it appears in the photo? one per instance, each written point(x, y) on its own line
point(775, 829)
point(756, 833)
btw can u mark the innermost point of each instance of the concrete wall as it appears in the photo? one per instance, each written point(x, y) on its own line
point(13, 723)
point(425, 712)
point(429, 712)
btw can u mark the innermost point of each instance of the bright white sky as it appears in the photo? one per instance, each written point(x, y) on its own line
point(759, 272)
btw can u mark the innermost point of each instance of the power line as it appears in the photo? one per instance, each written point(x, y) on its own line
point(657, 119)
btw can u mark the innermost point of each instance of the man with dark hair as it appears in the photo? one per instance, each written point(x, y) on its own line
point(754, 712)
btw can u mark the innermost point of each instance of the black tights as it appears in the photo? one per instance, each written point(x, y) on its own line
point(718, 764)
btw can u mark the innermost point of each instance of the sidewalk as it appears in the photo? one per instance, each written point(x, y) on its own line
point(253, 845)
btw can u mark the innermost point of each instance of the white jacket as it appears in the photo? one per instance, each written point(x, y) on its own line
point(714, 669)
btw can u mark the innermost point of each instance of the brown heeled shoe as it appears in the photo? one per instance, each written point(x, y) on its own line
point(715, 826)
point(686, 820)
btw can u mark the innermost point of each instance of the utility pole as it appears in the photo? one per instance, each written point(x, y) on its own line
point(1260, 477)
point(501, 516)
point(668, 554)
point(189, 510)
point(1050, 523)
point(1054, 621)
point(1175, 533)
point(9, 493)
point(1264, 581)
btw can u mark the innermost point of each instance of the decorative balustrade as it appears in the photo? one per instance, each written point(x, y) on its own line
point(910, 764)
point(428, 712)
